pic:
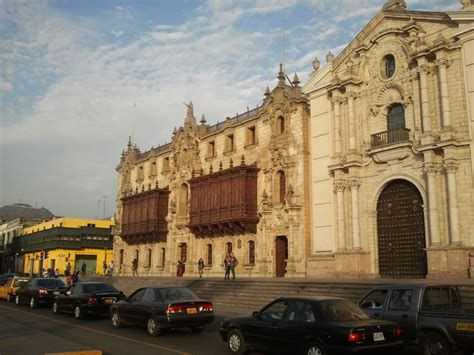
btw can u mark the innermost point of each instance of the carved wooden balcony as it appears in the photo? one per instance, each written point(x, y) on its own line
point(144, 217)
point(225, 202)
point(393, 136)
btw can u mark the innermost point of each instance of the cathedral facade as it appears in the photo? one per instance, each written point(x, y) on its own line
point(392, 124)
point(239, 186)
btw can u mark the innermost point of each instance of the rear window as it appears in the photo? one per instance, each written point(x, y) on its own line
point(341, 311)
point(17, 282)
point(177, 294)
point(440, 297)
point(50, 283)
point(97, 288)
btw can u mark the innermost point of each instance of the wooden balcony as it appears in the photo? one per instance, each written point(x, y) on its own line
point(393, 136)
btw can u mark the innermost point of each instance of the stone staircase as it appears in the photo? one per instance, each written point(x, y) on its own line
point(251, 293)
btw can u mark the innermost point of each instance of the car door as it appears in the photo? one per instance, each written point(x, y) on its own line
point(401, 309)
point(128, 309)
point(258, 330)
point(374, 303)
point(69, 298)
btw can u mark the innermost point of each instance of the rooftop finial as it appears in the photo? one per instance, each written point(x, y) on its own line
point(296, 80)
point(190, 114)
point(203, 119)
point(129, 145)
point(329, 57)
point(267, 91)
point(281, 76)
point(467, 3)
point(392, 4)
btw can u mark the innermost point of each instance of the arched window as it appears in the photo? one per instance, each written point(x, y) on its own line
point(229, 247)
point(251, 252)
point(389, 65)
point(395, 117)
point(163, 256)
point(209, 254)
point(280, 187)
point(183, 200)
point(149, 258)
point(280, 125)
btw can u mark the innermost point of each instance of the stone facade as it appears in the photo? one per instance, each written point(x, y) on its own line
point(395, 110)
point(273, 137)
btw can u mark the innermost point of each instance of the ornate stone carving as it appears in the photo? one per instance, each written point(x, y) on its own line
point(354, 183)
point(451, 165)
point(431, 169)
point(339, 186)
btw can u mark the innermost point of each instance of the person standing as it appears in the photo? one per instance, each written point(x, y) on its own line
point(83, 269)
point(69, 280)
point(104, 266)
point(135, 267)
point(227, 267)
point(201, 267)
point(56, 273)
point(67, 272)
point(233, 262)
point(111, 268)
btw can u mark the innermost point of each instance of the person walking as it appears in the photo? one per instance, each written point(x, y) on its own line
point(111, 268)
point(233, 262)
point(104, 266)
point(135, 267)
point(75, 277)
point(67, 272)
point(56, 273)
point(227, 267)
point(83, 269)
point(200, 267)
point(69, 280)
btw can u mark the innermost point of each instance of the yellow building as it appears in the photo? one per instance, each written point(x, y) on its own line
point(62, 241)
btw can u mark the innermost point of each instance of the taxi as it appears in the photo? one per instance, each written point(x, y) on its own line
point(9, 289)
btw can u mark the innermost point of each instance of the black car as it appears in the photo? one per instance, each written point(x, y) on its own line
point(39, 291)
point(313, 326)
point(160, 309)
point(85, 298)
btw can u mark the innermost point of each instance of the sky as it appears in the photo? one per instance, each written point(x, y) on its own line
point(78, 77)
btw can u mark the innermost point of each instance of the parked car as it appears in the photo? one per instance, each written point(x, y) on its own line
point(432, 315)
point(10, 287)
point(163, 308)
point(39, 291)
point(87, 298)
point(310, 325)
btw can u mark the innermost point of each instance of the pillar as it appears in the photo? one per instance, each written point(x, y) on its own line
point(351, 117)
point(451, 165)
point(431, 171)
point(339, 188)
point(444, 94)
point(425, 103)
point(354, 185)
point(337, 125)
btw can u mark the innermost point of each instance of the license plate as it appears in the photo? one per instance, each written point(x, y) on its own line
point(56, 293)
point(378, 336)
point(109, 301)
point(468, 327)
point(191, 310)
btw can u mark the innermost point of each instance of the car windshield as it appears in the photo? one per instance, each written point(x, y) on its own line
point(50, 283)
point(17, 282)
point(176, 294)
point(342, 311)
point(90, 288)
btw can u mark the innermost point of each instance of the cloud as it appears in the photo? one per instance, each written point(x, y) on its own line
point(118, 34)
point(6, 86)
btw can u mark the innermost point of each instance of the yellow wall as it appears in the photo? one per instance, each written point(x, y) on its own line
point(68, 223)
point(59, 255)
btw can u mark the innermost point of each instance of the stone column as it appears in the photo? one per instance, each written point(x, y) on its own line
point(431, 171)
point(354, 185)
point(444, 99)
point(337, 125)
point(451, 165)
point(425, 103)
point(339, 187)
point(351, 118)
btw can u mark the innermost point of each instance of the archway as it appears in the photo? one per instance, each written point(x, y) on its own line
point(401, 231)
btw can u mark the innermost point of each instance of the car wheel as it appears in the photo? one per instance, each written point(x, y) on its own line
point(434, 344)
point(197, 330)
point(17, 300)
point(152, 327)
point(78, 314)
point(116, 321)
point(33, 304)
point(9, 298)
point(55, 308)
point(236, 342)
point(315, 349)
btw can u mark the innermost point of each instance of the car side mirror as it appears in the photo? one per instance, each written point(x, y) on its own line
point(256, 314)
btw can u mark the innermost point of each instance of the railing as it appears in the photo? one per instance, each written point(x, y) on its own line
point(390, 137)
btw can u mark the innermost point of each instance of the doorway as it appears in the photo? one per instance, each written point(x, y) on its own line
point(281, 255)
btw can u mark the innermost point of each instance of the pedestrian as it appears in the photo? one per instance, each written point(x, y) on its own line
point(178, 268)
point(45, 273)
point(69, 280)
point(233, 264)
point(111, 268)
point(56, 273)
point(135, 267)
point(75, 277)
point(84, 269)
point(201, 267)
point(227, 267)
point(104, 266)
point(67, 272)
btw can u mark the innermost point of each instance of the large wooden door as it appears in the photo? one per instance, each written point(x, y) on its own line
point(281, 253)
point(401, 231)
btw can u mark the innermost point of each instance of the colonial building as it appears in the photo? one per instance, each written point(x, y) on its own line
point(54, 244)
point(241, 185)
point(392, 124)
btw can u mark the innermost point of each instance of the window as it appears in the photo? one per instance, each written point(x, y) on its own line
point(229, 143)
point(229, 247)
point(149, 258)
point(209, 254)
point(440, 297)
point(153, 169)
point(140, 173)
point(275, 311)
point(400, 300)
point(341, 311)
point(280, 125)
point(137, 296)
point(251, 252)
point(251, 136)
point(396, 117)
point(211, 149)
point(300, 311)
point(389, 65)
point(374, 300)
point(280, 187)
point(165, 166)
point(163, 256)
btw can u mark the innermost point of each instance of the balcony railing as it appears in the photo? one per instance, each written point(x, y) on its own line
point(393, 136)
